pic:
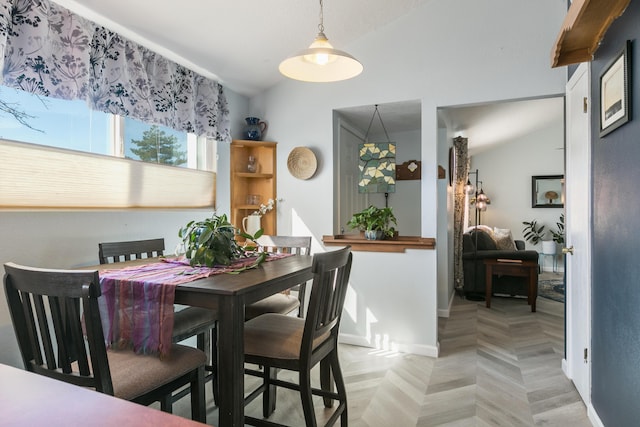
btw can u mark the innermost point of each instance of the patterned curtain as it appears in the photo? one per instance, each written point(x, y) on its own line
point(462, 169)
point(48, 50)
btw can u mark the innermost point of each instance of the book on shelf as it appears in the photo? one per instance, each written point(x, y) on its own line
point(512, 261)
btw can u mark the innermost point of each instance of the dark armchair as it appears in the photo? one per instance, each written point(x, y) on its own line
point(478, 245)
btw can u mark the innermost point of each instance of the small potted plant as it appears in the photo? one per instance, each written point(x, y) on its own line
point(212, 242)
point(534, 233)
point(375, 222)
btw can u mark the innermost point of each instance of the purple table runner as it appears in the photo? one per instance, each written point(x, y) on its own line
point(137, 303)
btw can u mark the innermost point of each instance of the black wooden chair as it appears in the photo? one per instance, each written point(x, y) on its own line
point(277, 341)
point(56, 320)
point(282, 303)
point(187, 322)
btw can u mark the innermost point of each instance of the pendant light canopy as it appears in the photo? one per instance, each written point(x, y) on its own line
point(320, 62)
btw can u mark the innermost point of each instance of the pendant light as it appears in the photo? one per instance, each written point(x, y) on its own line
point(320, 62)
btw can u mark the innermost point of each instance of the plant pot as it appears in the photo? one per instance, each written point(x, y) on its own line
point(373, 234)
point(549, 247)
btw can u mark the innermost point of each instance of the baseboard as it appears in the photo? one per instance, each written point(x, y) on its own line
point(591, 411)
point(593, 416)
point(418, 349)
point(354, 340)
point(446, 312)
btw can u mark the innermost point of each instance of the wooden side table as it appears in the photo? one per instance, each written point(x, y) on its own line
point(520, 268)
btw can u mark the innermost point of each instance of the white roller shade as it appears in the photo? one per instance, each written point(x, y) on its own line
point(39, 177)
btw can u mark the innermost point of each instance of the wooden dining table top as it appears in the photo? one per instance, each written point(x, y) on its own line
point(229, 283)
point(29, 399)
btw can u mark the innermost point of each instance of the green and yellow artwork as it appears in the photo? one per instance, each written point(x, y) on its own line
point(377, 167)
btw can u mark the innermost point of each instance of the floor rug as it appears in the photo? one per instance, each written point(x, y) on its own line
point(551, 289)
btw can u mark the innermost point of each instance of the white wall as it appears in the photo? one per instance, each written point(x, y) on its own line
point(445, 53)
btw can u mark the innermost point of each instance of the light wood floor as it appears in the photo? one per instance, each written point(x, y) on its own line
point(497, 367)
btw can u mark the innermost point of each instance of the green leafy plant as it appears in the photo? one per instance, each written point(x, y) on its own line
point(534, 233)
point(212, 242)
point(558, 236)
point(374, 219)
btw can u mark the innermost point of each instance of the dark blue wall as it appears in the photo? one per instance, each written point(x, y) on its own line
point(616, 232)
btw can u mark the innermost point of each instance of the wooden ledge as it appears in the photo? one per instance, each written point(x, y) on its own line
point(583, 28)
point(399, 244)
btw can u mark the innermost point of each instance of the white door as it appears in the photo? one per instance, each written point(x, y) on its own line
point(578, 232)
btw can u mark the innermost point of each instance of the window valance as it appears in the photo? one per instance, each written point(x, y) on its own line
point(48, 50)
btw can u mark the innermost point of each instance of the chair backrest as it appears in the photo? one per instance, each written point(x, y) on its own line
point(331, 272)
point(56, 319)
point(109, 252)
point(300, 245)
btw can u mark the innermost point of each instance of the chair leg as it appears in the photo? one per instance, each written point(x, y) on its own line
point(341, 389)
point(166, 403)
point(214, 363)
point(198, 406)
point(306, 397)
point(326, 382)
point(269, 394)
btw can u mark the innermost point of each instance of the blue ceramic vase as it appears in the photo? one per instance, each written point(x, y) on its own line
point(255, 129)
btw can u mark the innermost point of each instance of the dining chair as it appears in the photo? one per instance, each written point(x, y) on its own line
point(57, 323)
point(282, 303)
point(277, 341)
point(187, 321)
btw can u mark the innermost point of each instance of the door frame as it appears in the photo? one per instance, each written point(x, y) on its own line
point(577, 316)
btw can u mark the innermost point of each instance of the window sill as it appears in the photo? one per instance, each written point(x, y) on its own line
point(399, 244)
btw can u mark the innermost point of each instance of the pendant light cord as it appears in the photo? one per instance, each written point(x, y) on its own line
point(366, 137)
point(321, 24)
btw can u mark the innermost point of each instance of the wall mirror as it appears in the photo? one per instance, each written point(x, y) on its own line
point(547, 191)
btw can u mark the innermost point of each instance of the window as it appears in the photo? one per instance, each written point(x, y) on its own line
point(71, 124)
point(53, 177)
point(56, 123)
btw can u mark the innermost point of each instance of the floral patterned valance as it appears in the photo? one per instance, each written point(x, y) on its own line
point(48, 50)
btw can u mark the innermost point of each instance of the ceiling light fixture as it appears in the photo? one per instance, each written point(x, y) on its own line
point(320, 63)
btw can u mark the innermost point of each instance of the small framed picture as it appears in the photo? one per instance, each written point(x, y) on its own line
point(614, 92)
point(547, 191)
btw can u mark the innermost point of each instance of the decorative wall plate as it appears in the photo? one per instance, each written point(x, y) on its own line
point(302, 163)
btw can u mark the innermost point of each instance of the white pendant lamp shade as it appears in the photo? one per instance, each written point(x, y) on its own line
point(320, 62)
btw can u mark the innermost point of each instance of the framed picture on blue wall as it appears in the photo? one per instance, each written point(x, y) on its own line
point(614, 92)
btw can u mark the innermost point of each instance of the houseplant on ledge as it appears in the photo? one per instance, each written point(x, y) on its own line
point(375, 222)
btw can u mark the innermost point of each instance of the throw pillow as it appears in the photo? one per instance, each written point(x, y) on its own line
point(504, 239)
point(484, 241)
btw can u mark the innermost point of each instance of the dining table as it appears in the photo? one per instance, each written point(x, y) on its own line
point(30, 399)
point(229, 293)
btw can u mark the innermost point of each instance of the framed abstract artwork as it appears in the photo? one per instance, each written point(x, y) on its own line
point(614, 92)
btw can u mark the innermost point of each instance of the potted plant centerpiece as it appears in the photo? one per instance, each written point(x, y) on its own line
point(375, 222)
point(212, 242)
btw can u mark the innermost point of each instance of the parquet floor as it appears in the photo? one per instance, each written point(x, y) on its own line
point(497, 367)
